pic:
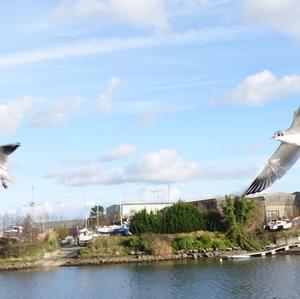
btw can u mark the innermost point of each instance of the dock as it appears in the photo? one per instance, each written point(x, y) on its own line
point(271, 251)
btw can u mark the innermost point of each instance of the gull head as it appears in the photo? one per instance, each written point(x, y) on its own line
point(278, 135)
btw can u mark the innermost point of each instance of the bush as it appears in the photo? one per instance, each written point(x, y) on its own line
point(143, 222)
point(214, 221)
point(160, 247)
point(182, 217)
point(183, 243)
point(136, 244)
point(51, 242)
point(238, 213)
point(105, 246)
point(206, 241)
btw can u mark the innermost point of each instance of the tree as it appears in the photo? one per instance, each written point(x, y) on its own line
point(237, 213)
point(144, 222)
point(182, 217)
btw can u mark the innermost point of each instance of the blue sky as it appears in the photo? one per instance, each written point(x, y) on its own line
point(120, 98)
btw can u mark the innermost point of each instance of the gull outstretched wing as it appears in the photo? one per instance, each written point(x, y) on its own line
point(6, 150)
point(295, 126)
point(280, 162)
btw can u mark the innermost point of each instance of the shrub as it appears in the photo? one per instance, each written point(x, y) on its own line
point(206, 241)
point(143, 222)
point(103, 246)
point(183, 243)
point(182, 217)
point(160, 247)
point(51, 242)
point(238, 213)
point(214, 221)
point(136, 244)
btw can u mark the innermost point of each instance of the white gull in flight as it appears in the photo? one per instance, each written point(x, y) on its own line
point(282, 160)
point(6, 150)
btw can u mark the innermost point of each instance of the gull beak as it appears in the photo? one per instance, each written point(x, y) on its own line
point(273, 137)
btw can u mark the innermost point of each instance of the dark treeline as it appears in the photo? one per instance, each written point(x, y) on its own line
point(183, 217)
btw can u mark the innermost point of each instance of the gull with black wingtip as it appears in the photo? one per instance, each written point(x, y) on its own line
point(5, 151)
point(283, 158)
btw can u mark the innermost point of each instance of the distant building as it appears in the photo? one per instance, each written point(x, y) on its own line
point(129, 209)
point(271, 205)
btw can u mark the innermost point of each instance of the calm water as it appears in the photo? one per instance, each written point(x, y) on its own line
point(270, 277)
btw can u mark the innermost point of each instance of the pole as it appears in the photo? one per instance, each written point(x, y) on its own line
point(121, 212)
point(97, 215)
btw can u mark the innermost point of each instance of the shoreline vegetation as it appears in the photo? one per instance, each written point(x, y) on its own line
point(177, 233)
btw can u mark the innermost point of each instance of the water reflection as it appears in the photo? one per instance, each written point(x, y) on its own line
point(260, 278)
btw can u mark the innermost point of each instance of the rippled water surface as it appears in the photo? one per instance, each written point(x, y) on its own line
point(270, 277)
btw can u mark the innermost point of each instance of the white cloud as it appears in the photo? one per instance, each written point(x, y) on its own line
point(55, 113)
point(105, 98)
point(46, 211)
point(280, 14)
point(96, 46)
point(12, 113)
point(90, 175)
point(164, 166)
point(141, 14)
point(122, 152)
point(215, 172)
point(263, 87)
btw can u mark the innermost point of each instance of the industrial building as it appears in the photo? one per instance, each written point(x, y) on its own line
point(271, 205)
point(127, 210)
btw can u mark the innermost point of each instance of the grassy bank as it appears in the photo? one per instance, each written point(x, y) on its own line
point(13, 250)
point(154, 244)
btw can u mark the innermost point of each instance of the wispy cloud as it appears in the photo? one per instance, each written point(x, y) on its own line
point(281, 15)
point(140, 14)
point(262, 88)
point(89, 175)
point(98, 46)
point(55, 113)
point(165, 166)
point(122, 152)
point(105, 98)
point(12, 113)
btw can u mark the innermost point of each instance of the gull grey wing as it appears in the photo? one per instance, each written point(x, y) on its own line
point(6, 150)
point(280, 162)
point(295, 126)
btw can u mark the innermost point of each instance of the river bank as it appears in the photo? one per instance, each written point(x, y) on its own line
point(60, 258)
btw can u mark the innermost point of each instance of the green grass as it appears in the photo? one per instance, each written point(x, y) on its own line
point(104, 247)
point(28, 250)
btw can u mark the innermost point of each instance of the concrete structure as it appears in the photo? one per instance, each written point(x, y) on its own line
point(129, 209)
point(280, 205)
point(271, 205)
